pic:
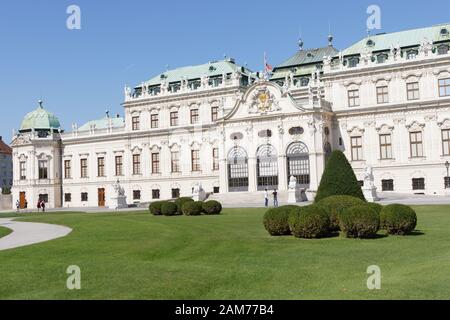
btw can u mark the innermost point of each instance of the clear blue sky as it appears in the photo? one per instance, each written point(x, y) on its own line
point(80, 73)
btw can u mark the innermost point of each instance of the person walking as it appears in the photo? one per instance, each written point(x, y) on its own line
point(18, 205)
point(275, 198)
point(266, 198)
point(43, 205)
point(39, 205)
point(26, 206)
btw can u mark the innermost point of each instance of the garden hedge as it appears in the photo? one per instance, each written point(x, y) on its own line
point(180, 201)
point(192, 208)
point(361, 221)
point(212, 207)
point(169, 209)
point(309, 222)
point(335, 205)
point(276, 220)
point(338, 179)
point(398, 219)
point(155, 207)
point(375, 206)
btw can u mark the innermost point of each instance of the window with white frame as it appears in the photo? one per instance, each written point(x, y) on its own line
point(353, 98)
point(412, 90)
point(356, 148)
point(416, 144)
point(382, 94)
point(386, 146)
point(444, 87)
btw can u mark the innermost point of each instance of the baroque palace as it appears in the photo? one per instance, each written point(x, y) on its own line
point(384, 101)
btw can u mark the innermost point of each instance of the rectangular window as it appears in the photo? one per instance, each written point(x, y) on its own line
point(416, 145)
point(356, 147)
point(155, 162)
point(216, 189)
point(214, 113)
point(84, 168)
point(23, 170)
point(215, 154)
point(119, 166)
point(43, 197)
point(136, 194)
point(175, 193)
point(101, 167)
point(353, 98)
point(412, 90)
point(154, 121)
point(175, 159)
point(84, 196)
point(382, 94)
point(67, 169)
point(155, 194)
point(174, 118)
point(136, 164)
point(194, 116)
point(67, 197)
point(446, 142)
point(195, 160)
point(387, 185)
point(43, 169)
point(135, 123)
point(418, 184)
point(447, 182)
point(385, 146)
point(444, 87)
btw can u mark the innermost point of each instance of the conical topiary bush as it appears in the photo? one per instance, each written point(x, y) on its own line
point(338, 179)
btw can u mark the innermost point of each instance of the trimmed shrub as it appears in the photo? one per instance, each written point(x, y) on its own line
point(212, 207)
point(359, 222)
point(169, 209)
point(338, 179)
point(155, 207)
point(398, 219)
point(335, 205)
point(192, 208)
point(309, 222)
point(276, 220)
point(180, 201)
point(375, 206)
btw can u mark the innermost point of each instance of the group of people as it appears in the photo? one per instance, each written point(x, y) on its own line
point(40, 205)
point(275, 197)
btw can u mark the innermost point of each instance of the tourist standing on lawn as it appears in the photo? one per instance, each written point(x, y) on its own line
point(18, 205)
point(39, 205)
point(266, 198)
point(275, 198)
point(43, 205)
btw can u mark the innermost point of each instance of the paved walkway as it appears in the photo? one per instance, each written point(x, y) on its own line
point(27, 233)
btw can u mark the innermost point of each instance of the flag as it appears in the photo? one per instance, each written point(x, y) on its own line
point(267, 67)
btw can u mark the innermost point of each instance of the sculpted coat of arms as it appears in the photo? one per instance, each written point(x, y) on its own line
point(262, 101)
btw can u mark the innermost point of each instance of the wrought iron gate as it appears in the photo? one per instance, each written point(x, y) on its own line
point(298, 163)
point(237, 170)
point(267, 167)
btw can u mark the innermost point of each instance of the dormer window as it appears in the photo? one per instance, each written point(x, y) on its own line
point(411, 54)
point(353, 62)
point(212, 68)
point(370, 43)
point(381, 58)
point(444, 32)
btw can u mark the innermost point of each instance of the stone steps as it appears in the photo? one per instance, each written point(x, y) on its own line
point(249, 199)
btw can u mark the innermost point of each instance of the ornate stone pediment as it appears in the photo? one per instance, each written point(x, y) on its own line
point(21, 140)
point(262, 101)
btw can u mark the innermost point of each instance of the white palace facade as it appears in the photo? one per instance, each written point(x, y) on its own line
point(384, 101)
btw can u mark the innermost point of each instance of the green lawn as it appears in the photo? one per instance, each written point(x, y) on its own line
point(4, 232)
point(139, 256)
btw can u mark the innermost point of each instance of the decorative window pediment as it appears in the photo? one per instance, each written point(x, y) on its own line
point(195, 144)
point(384, 128)
point(174, 147)
point(155, 148)
point(355, 131)
point(136, 150)
point(415, 126)
point(23, 157)
point(444, 124)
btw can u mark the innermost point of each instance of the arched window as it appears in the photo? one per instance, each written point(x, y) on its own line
point(297, 155)
point(267, 167)
point(237, 169)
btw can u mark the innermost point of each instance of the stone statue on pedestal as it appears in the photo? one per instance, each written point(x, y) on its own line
point(118, 200)
point(369, 189)
point(198, 193)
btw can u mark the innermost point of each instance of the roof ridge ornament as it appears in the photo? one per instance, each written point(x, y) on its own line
point(40, 102)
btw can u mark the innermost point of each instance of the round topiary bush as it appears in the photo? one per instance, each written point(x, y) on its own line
point(375, 206)
point(192, 208)
point(169, 209)
point(398, 219)
point(276, 220)
point(335, 205)
point(180, 201)
point(360, 221)
point(155, 208)
point(309, 222)
point(212, 207)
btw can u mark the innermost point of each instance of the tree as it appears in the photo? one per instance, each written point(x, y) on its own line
point(338, 178)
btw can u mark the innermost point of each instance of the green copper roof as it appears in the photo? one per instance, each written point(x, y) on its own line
point(214, 68)
point(409, 38)
point(309, 56)
point(40, 119)
point(103, 123)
